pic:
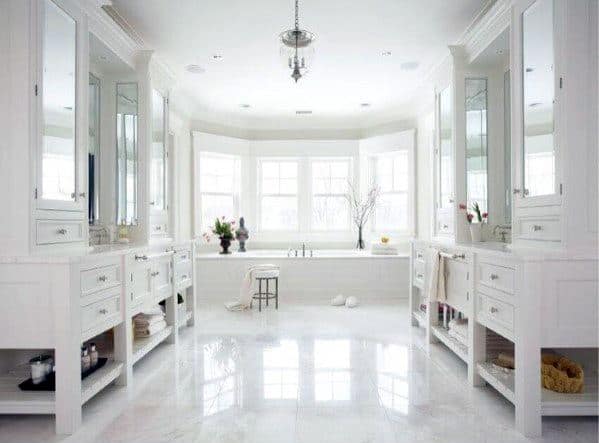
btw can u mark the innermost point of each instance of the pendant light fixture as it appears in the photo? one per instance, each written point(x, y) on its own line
point(297, 48)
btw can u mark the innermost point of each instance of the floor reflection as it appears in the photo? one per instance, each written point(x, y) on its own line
point(332, 381)
point(392, 377)
point(222, 384)
point(281, 371)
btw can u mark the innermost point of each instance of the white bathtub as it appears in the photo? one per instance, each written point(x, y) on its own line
point(314, 279)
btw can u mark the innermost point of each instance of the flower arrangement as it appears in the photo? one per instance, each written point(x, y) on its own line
point(481, 217)
point(223, 229)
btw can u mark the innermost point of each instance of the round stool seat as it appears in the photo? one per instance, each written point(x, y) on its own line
point(266, 273)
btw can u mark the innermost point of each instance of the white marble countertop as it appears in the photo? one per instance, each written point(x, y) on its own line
point(78, 254)
point(280, 254)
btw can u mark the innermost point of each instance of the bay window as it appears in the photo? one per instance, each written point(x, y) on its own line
point(330, 207)
point(278, 194)
point(220, 177)
point(391, 173)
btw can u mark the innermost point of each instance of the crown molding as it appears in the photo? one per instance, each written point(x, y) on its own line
point(488, 26)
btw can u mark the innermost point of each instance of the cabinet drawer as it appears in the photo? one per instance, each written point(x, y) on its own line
point(497, 277)
point(97, 279)
point(59, 231)
point(418, 277)
point(419, 254)
point(543, 229)
point(182, 272)
point(181, 256)
point(496, 315)
point(102, 311)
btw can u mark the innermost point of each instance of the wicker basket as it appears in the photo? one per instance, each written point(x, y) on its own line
point(561, 374)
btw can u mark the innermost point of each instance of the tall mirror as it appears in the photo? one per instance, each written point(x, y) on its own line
point(476, 143)
point(127, 152)
point(158, 161)
point(93, 165)
point(445, 150)
point(538, 97)
point(57, 178)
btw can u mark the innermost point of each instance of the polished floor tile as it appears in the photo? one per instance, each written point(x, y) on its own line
point(309, 373)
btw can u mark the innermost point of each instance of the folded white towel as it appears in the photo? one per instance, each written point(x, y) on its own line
point(146, 320)
point(150, 330)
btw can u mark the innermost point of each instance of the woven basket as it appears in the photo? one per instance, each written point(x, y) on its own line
point(561, 374)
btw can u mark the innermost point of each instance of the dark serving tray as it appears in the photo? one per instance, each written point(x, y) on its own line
point(49, 384)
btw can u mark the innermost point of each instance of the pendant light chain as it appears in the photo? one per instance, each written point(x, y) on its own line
point(297, 15)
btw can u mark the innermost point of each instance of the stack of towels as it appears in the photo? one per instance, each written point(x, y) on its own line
point(384, 249)
point(147, 324)
point(458, 329)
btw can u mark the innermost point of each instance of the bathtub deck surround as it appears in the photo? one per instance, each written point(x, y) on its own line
point(307, 279)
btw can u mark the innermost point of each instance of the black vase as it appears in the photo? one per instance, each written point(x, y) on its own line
point(225, 242)
point(360, 243)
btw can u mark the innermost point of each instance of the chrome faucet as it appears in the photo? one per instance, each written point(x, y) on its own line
point(303, 249)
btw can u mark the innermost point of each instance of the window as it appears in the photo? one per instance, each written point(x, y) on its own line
point(277, 198)
point(220, 177)
point(281, 371)
point(330, 208)
point(391, 174)
point(332, 381)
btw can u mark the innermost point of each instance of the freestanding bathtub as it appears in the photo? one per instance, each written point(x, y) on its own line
point(314, 279)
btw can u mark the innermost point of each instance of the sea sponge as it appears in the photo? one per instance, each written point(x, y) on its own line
point(561, 374)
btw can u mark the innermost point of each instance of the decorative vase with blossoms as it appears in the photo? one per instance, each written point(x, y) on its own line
point(476, 229)
point(223, 229)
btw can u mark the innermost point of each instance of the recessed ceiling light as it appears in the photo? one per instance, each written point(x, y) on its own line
point(245, 106)
point(365, 105)
point(217, 57)
point(195, 69)
point(386, 53)
point(409, 66)
point(303, 112)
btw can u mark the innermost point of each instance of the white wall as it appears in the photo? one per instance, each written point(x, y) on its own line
point(181, 155)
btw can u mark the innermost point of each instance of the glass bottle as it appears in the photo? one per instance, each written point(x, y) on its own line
point(85, 359)
point(93, 354)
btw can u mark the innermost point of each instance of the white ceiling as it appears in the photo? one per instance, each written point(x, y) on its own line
point(348, 68)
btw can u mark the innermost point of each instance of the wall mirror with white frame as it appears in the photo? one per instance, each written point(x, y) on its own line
point(59, 179)
point(444, 163)
point(112, 165)
point(159, 168)
point(488, 146)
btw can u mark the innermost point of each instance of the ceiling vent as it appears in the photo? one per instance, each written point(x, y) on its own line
point(303, 112)
point(123, 24)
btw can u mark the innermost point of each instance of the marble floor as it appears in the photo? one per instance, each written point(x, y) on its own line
point(302, 374)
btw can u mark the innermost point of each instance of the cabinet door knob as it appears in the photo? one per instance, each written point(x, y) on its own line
point(62, 231)
point(517, 191)
point(103, 311)
point(536, 228)
point(493, 276)
point(493, 310)
point(102, 278)
point(82, 195)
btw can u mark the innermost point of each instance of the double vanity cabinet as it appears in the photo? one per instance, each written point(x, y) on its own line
point(516, 133)
point(86, 175)
point(532, 301)
point(58, 302)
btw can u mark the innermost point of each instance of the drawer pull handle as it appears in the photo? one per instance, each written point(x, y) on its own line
point(445, 226)
point(183, 277)
point(62, 231)
point(493, 310)
point(141, 257)
point(158, 228)
point(420, 276)
point(419, 256)
point(102, 278)
point(493, 276)
point(536, 228)
point(154, 274)
point(103, 311)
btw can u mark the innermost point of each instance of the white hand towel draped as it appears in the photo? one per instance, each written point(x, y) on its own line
point(436, 288)
point(245, 292)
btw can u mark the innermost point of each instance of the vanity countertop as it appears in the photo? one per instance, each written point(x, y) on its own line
point(73, 255)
